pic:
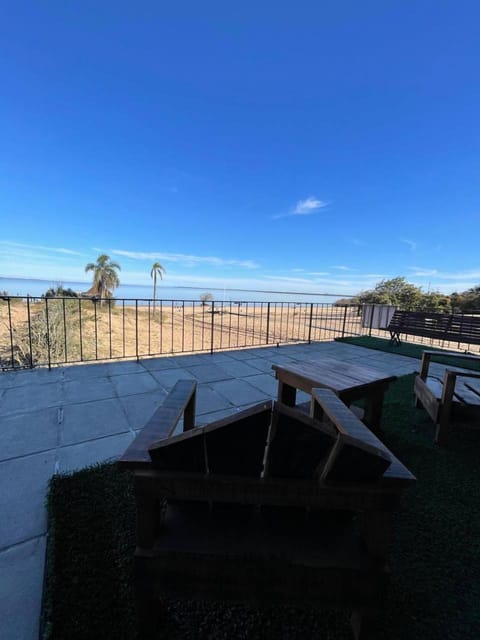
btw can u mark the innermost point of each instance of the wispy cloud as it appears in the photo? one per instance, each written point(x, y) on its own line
point(471, 275)
point(342, 267)
point(410, 243)
point(308, 206)
point(39, 247)
point(183, 259)
point(419, 271)
point(304, 208)
point(317, 273)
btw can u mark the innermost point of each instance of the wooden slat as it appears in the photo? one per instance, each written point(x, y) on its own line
point(234, 445)
point(358, 455)
point(451, 327)
point(297, 444)
point(161, 424)
point(278, 491)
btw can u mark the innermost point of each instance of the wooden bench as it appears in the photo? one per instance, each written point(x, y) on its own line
point(441, 326)
point(453, 400)
point(244, 509)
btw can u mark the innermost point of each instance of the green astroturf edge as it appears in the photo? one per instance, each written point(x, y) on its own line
point(408, 349)
point(435, 563)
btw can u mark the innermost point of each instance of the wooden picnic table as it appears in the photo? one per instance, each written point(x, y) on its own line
point(350, 382)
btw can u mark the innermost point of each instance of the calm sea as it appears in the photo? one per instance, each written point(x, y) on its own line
point(24, 287)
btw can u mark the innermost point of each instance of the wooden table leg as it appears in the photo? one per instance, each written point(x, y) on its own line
point(373, 410)
point(287, 394)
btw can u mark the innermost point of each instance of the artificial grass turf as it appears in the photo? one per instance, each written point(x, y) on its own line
point(409, 349)
point(435, 585)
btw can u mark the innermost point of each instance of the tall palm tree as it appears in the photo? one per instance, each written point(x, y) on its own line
point(105, 276)
point(157, 269)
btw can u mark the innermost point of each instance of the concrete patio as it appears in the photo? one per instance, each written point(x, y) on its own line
point(64, 419)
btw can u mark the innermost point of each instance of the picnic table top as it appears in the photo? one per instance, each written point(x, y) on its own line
point(337, 375)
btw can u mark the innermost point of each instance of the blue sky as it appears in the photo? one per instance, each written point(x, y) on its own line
point(304, 146)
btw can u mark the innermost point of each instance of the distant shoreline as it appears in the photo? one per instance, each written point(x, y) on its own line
point(35, 287)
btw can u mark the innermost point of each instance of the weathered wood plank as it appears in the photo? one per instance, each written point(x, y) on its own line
point(234, 445)
point(297, 445)
point(162, 424)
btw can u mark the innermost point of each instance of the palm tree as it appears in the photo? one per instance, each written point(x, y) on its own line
point(157, 269)
point(105, 276)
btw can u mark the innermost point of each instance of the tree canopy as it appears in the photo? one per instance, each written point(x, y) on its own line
point(105, 276)
point(406, 296)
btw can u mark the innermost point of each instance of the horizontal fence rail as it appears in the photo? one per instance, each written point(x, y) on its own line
point(47, 331)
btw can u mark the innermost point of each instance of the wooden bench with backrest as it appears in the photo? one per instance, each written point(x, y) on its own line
point(441, 326)
point(268, 505)
point(451, 400)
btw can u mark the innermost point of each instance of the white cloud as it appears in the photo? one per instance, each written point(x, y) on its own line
point(304, 208)
point(184, 259)
point(308, 206)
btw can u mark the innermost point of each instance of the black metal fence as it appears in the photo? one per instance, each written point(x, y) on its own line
point(60, 330)
point(39, 331)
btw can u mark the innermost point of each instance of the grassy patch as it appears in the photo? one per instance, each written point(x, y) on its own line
point(435, 586)
point(408, 349)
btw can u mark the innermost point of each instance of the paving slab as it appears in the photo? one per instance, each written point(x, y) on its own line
point(159, 364)
point(82, 455)
point(167, 379)
point(189, 360)
point(88, 371)
point(31, 376)
point(91, 420)
point(86, 390)
point(22, 434)
point(208, 399)
point(266, 383)
point(21, 584)
point(238, 369)
point(239, 392)
point(130, 384)
point(283, 360)
point(213, 416)
point(22, 399)
point(208, 372)
point(243, 354)
point(23, 485)
point(139, 408)
point(262, 364)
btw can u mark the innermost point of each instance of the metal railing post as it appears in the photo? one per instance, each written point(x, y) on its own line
point(11, 332)
point(268, 320)
point(136, 328)
point(344, 321)
point(213, 327)
point(310, 324)
point(48, 334)
point(30, 332)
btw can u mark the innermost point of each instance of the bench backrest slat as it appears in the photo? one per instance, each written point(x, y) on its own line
point(444, 326)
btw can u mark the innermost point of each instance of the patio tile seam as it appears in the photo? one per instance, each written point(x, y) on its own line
point(18, 543)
